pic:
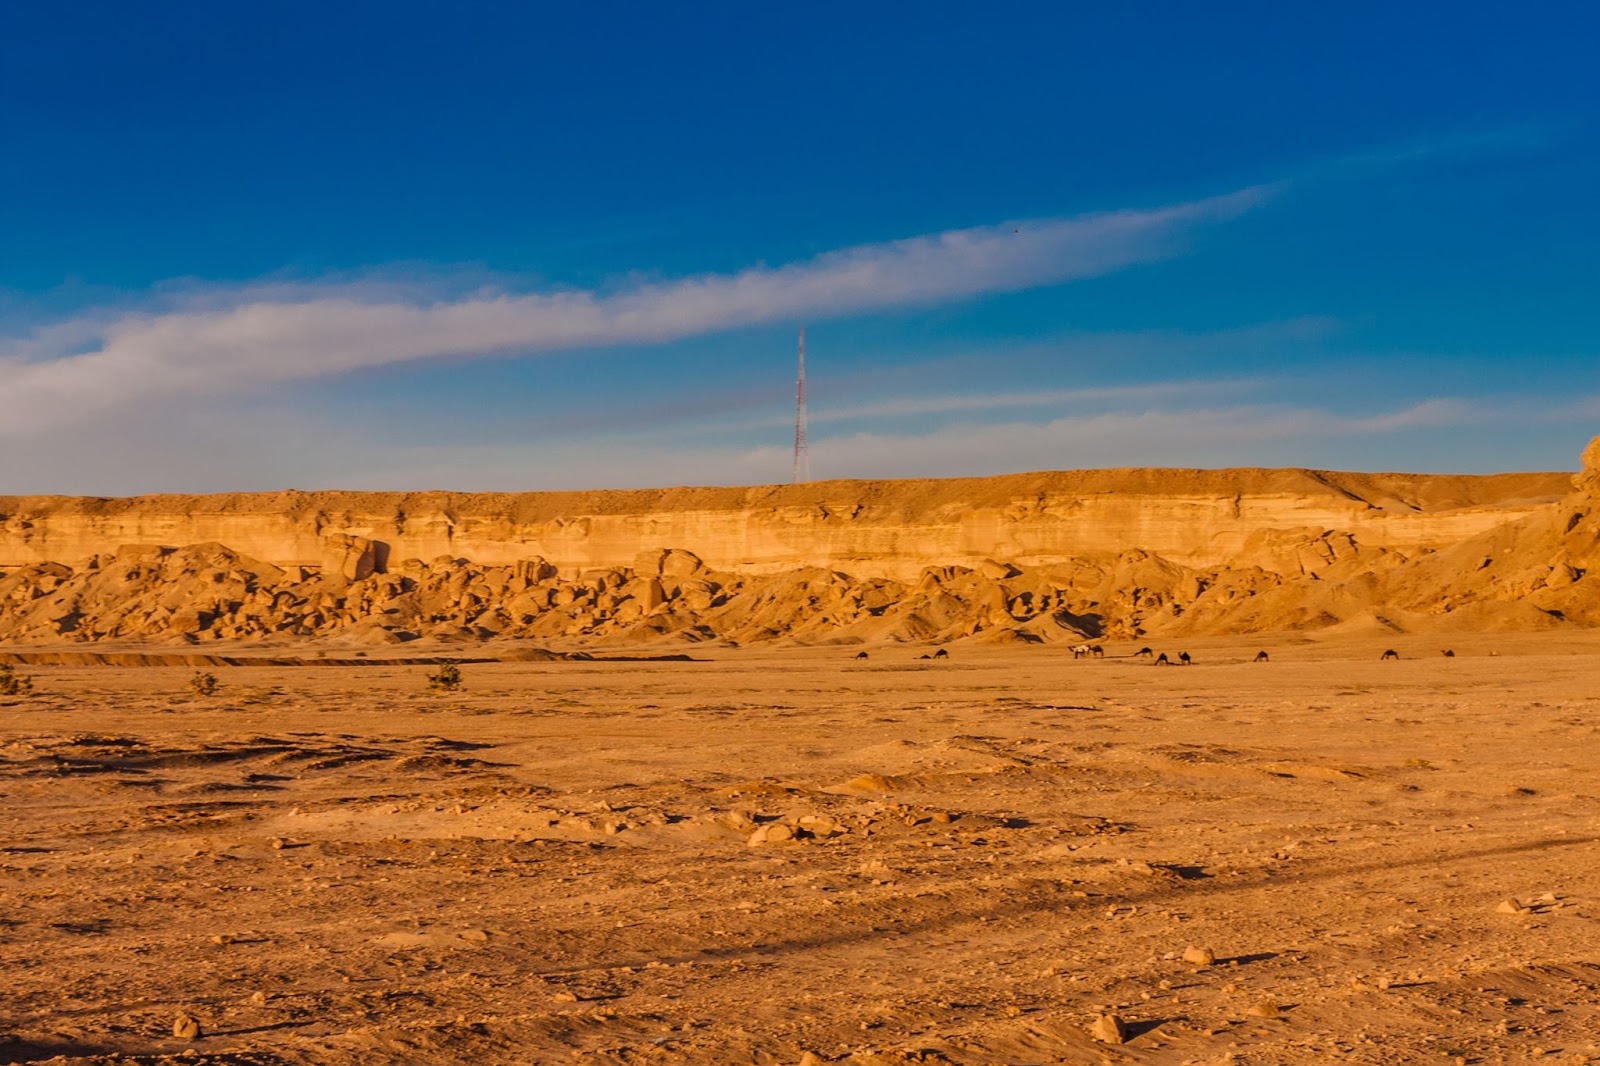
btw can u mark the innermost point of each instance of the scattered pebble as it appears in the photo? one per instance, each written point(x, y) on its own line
point(186, 1027)
point(1197, 956)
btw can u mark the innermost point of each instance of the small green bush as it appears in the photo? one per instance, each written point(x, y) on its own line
point(203, 684)
point(445, 679)
point(13, 683)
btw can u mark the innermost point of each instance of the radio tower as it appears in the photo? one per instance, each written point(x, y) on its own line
point(802, 447)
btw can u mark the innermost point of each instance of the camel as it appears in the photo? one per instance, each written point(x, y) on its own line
point(941, 654)
point(1390, 654)
point(1097, 651)
point(1448, 654)
point(1162, 660)
point(1143, 653)
point(861, 655)
point(1183, 658)
point(1079, 650)
point(1262, 657)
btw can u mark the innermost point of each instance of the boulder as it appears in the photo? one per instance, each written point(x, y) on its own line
point(353, 558)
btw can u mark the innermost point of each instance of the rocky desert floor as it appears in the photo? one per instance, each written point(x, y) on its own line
point(767, 855)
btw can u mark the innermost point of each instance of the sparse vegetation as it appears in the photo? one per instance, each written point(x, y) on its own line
point(203, 684)
point(445, 679)
point(13, 683)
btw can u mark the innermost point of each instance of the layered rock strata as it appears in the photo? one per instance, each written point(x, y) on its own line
point(890, 529)
point(1031, 558)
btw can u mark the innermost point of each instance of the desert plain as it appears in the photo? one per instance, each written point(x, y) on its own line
point(863, 772)
point(759, 855)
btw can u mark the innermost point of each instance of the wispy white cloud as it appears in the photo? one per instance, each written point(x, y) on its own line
point(1179, 435)
point(235, 340)
point(1186, 435)
point(234, 447)
point(980, 402)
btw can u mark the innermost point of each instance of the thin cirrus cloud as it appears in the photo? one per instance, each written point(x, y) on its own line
point(1208, 434)
point(254, 337)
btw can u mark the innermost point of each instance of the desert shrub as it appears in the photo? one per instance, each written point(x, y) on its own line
point(13, 683)
point(445, 679)
point(203, 684)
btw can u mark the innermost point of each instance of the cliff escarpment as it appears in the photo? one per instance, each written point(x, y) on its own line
point(1030, 557)
point(889, 529)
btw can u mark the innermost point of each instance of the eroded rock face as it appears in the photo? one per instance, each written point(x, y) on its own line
point(873, 529)
point(1528, 565)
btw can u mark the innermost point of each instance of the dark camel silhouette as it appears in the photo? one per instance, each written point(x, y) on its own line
point(1162, 660)
point(1390, 654)
point(941, 654)
point(861, 655)
point(1143, 653)
point(1448, 654)
point(1183, 658)
point(1262, 657)
point(1097, 651)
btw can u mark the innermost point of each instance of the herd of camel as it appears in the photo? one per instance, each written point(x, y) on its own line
point(1096, 651)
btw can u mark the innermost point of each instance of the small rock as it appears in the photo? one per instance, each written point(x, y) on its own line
point(776, 833)
point(1109, 1029)
point(1264, 1008)
point(565, 997)
point(1196, 956)
point(820, 825)
point(258, 999)
point(222, 938)
point(277, 843)
point(811, 1058)
point(186, 1027)
point(1511, 906)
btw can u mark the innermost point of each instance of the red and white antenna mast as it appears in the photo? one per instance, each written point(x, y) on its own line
point(802, 447)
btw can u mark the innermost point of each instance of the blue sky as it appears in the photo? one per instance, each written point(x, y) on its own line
point(508, 246)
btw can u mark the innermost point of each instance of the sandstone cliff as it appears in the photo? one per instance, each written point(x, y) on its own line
point(1034, 557)
point(868, 528)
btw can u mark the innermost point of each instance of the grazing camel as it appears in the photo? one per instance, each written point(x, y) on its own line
point(1079, 650)
point(1448, 654)
point(1097, 651)
point(1183, 658)
point(1262, 657)
point(1143, 653)
point(941, 654)
point(861, 655)
point(1162, 660)
point(1390, 654)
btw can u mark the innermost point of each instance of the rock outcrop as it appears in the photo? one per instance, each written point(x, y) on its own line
point(1030, 558)
point(887, 529)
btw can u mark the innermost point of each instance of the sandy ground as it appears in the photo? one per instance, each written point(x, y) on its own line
point(770, 854)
